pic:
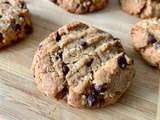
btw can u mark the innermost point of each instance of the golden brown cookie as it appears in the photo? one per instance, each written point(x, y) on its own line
point(81, 6)
point(83, 65)
point(146, 40)
point(142, 8)
point(15, 21)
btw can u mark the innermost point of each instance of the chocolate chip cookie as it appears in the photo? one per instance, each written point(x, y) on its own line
point(142, 8)
point(81, 6)
point(146, 40)
point(83, 65)
point(15, 21)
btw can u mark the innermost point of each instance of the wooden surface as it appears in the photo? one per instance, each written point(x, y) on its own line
point(158, 108)
point(19, 98)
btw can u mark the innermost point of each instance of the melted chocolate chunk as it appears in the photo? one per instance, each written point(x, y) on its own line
point(89, 63)
point(115, 39)
point(59, 55)
point(28, 29)
point(122, 62)
point(15, 26)
point(0, 16)
point(58, 37)
point(91, 100)
point(84, 44)
point(1, 37)
point(99, 88)
point(6, 2)
point(151, 39)
point(65, 69)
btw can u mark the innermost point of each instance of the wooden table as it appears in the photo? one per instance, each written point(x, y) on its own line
point(19, 97)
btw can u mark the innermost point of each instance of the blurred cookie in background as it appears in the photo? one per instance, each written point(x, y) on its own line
point(15, 21)
point(142, 8)
point(81, 6)
point(146, 40)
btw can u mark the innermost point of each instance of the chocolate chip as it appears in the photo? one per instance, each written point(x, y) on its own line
point(83, 44)
point(65, 69)
point(122, 62)
point(151, 39)
point(115, 39)
point(77, 6)
point(58, 37)
point(91, 100)
point(15, 26)
point(23, 5)
point(54, 1)
point(0, 16)
point(6, 2)
point(1, 37)
point(64, 91)
point(89, 63)
point(59, 55)
point(157, 45)
point(28, 29)
point(100, 88)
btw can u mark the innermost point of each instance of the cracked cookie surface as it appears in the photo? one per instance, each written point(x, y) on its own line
point(81, 6)
point(15, 21)
point(142, 8)
point(83, 65)
point(146, 40)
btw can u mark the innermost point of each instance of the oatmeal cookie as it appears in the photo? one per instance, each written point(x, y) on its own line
point(146, 40)
point(15, 21)
point(142, 8)
point(83, 65)
point(81, 6)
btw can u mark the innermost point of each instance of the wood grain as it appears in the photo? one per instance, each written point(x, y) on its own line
point(19, 98)
point(158, 109)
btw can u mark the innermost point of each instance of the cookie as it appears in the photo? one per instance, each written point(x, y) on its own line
point(142, 8)
point(146, 40)
point(82, 65)
point(81, 6)
point(15, 21)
